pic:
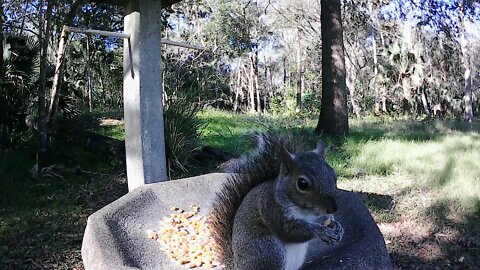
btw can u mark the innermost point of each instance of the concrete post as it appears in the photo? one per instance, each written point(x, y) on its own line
point(143, 105)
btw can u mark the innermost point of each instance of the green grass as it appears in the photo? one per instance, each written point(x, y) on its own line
point(438, 155)
point(447, 163)
point(112, 131)
point(225, 130)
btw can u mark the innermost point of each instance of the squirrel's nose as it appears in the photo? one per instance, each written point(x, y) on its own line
point(332, 205)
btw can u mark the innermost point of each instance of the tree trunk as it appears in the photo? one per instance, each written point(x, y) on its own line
point(375, 76)
point(426, 107)
point(407, 97)
point(102, 86)
point(375, 59)
point(298, 108)
point(43, 37)
point(243, 85)
point(333, 118)
point(467, 75)
point(285, 73)
point(89, 74)
point(251, 88)
point(3, 131)
point(270, 87)
point(351, 79)
point(384, 100)
point(238, 88)
point(257, 89)
point(165, 96)
point(57, 78)
point(2, 70)
point(24, 17)
point(267, 84)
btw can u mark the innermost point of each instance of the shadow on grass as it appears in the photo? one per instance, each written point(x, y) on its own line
point(377, 202)
point(409, 130)
point(381, 206)
point(454, 244)
point(443, 176)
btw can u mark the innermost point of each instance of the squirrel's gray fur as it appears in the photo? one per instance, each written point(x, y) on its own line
point(261, 210)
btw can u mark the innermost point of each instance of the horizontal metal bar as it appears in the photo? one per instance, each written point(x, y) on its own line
point(181, 44)
point(124, 35)
point(97, 32)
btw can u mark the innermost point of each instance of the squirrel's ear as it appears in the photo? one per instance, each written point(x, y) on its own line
point(286, 160)
point(320, 150)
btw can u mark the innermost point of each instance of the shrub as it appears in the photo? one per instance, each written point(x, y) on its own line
point(311, 104)
point(182, 135)
point(17, 92)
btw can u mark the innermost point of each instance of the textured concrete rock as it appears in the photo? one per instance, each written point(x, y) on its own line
point(115, 237)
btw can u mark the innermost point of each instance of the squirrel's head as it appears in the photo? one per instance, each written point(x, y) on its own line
point(307, 181)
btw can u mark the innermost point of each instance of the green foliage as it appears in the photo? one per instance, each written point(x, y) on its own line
point(235, 26)
point(276, 104)
point(18, 87)
point(195, 70)
point(311, 103)
point(181, 130)
point(106, 72)
point(284, 104)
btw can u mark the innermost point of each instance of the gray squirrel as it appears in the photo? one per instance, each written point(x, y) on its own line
point(273, 205)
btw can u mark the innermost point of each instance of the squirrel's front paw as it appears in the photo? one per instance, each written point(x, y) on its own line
point(330, 231)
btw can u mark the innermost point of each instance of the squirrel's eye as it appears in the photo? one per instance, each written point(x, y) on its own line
point(302, 184)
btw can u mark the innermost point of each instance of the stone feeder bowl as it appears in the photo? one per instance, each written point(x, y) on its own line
point(116, 238)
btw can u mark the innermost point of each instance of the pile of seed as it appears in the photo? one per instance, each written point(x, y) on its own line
point(185, 238)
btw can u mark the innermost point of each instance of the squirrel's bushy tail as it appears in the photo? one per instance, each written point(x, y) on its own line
point(259, 166)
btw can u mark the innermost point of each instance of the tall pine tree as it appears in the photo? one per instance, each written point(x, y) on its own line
point(333, 118)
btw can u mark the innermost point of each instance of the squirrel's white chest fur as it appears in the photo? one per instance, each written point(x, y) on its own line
point(295, 255)
point(295, 252)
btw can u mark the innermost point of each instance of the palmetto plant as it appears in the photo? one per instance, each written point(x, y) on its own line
point(17, 96)
point(19, 89)
point(181, 130)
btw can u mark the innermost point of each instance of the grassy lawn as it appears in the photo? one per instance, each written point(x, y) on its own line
point(420, 180)
point(422, 185)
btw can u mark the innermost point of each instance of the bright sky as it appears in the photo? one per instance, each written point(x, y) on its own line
point(472, 25)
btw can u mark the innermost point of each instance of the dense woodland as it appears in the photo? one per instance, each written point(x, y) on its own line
point(400, 58)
